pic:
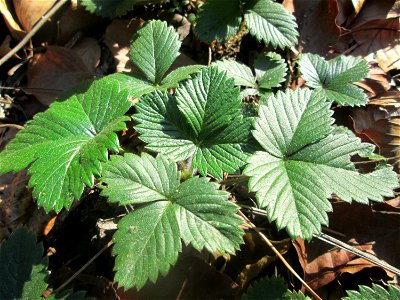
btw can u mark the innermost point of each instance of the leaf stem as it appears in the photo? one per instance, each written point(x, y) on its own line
point(34, 30)
point(279, 255)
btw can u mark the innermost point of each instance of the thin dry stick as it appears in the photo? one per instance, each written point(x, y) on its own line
point(335, 242)
point(12, 125)
point(35, 29)
point(252, 226)
point(83, 268)
point(367, 256)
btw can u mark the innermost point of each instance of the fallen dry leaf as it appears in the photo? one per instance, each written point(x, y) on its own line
point(254, 256)
point(89, 51)
point(317, 26)
point(371, 231)
point(367, 11)
point(54, 71)
point(389, 57)
point(13, 26)
point(376, 83)
point(380, 123)
point(29, 12)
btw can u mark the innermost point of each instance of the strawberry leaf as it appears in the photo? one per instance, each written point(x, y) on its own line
point(376, 292)
point(333, 79)
point(154, 49)
point(202, 120)
point(112, 8)
point(65, 144)
point(305, 161)
point(148, 239)
point(219, 20)
point(22, 267)
point(271, 23)
point(270, 70)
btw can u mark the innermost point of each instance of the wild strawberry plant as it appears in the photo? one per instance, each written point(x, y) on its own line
point(293, 155)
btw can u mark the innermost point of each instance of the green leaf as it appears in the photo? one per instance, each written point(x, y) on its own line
point(219, 20)
point(270, 70)
point(154, 49)
point(241, 74)
point(65, 145)
point(147, 242)
point(178, 75)
point(206, 218)
point(22, 267)
point(136, 87)
point(293, 295)
point(305, 161)
point(136, 179)
point(376, 292)
point(271, 23)
point(112, 8)
point(148, 239)
point(333, 79)
point(272, 288)
point(202, 120)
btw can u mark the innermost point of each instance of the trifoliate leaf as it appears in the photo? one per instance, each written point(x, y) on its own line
point(154, 49)
point(333, 79)
point(270, 70)
point(202, 120)
point(148, 239)
point(271, 23)
point(112, 8)
point(305, 161)
point(65, 144)
point(241, 74)
point(219, 20)
point(22, 267)
point(376, 292)
point(272, 288)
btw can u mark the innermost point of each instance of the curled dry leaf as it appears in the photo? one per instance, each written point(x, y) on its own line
point(317, 26)
point(12, 25)
point(367, 230)
point(54, 71)
point(380, 123)
point(376, 83)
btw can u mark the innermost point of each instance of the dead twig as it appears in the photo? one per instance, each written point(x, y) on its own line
point(279, 255)
point(34, 30)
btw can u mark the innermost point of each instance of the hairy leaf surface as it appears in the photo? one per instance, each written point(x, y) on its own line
point(22, 267)
point(148, 239)
point(306, 161)
point(376, 292)
point(333, 79)
point(154, 49)
point(271, 23)
point(219, 20)
point(270, 70)
point(65, 145)
point(202, 120)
